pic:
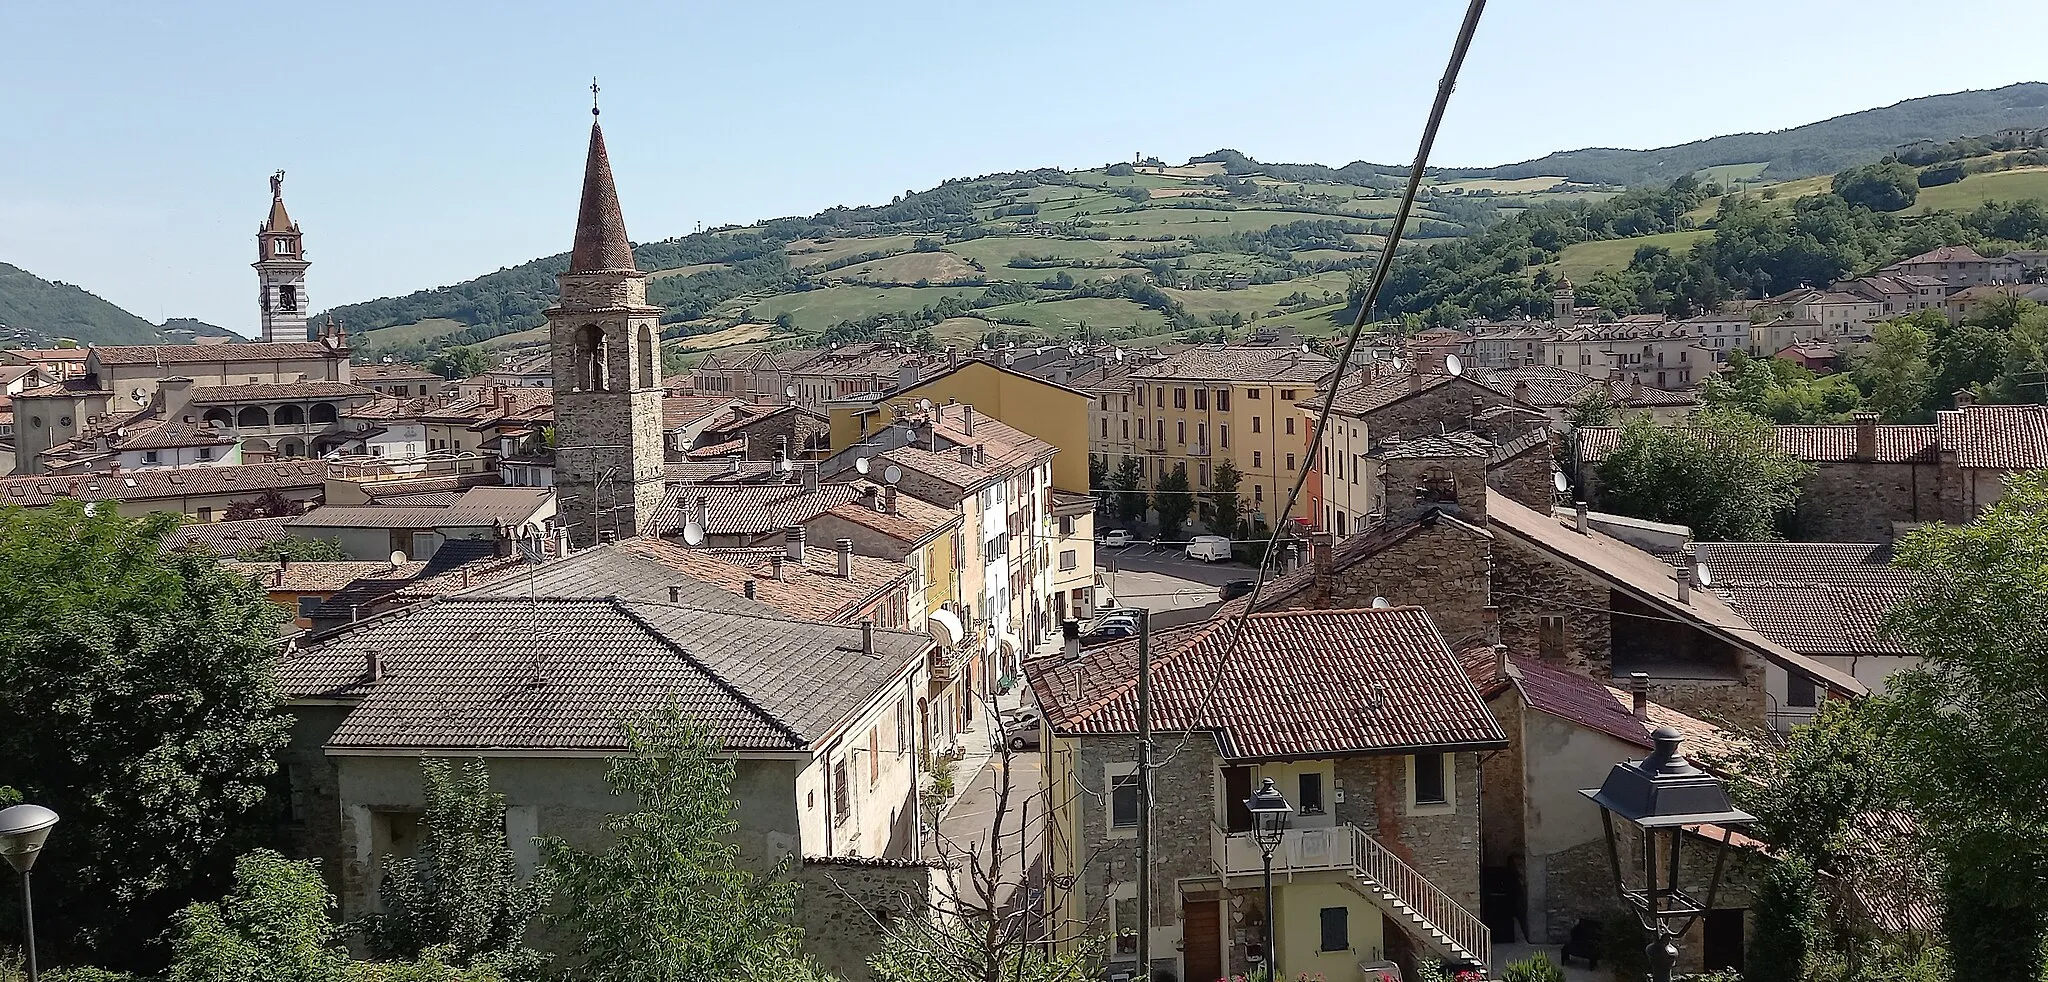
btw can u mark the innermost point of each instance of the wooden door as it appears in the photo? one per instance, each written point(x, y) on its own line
point(1237, 786)
point(1202, 940)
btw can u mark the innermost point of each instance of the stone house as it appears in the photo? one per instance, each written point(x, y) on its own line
point(1364, 721)
point(1490, 568)
point(1546, 867)
point(1958, 266)
point(1874, 480)
point(819, 717)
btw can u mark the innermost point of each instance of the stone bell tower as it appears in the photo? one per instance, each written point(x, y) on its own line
point(281, 270)
point(605, 349)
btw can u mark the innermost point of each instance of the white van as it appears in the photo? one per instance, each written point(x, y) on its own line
point(1209, 548)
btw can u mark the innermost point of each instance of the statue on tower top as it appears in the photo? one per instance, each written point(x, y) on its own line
point(277, 185)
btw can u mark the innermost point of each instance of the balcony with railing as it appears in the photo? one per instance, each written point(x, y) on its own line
point(1398, 889)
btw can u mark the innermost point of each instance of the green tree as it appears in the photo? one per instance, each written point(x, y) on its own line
point(1896, 378)
point(1966, 724)
point(1131, 499)
point(140, 703)
point(1226, 509)
point(1722, 473)
point(1788, 924)
point(668, 900)
point(1879, 187)
point(462, 895)
point(461, 361)
point(1174, 501)
point(273, 927)
point(1098, 481)
point(936, 949)
point(1596, 409)
point(1780, 391)
point(296, 550)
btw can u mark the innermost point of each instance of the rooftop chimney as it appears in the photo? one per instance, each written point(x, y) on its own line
point(810, 477)
point(750, 588)
point(889, 499)
point(1500, 661)
point(793, 543)
point(675, 594)
point(845, 559)
point(968, 426)
point(1639, 692)
point(1965, 398)
point(373, 664)
point(1684, 578)
point(981, 453)
point(778, 565)
point(1866, 436)
point(1522, 390)
point(952, 356)
point(1635, 389)
point(966, 454)
point(1415, 374)
point(1579, 522)
point(867, 637)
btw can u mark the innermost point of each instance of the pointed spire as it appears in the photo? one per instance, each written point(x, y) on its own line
point(600, 229)
point(278, 221)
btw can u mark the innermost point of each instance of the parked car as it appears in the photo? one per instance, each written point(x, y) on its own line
point(1116, 538)
point(1112, 630)
point(1023, 727)
point(1234, 589)
point(1209, 548)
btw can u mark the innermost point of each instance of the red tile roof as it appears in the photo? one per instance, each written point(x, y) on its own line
point(1301, 683)
point(1996, 437)
point(1579, 699)
point(1822, 444)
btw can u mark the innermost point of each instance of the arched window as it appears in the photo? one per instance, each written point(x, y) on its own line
point(649, 368)
point(323, 412)
point(590, 358)
point(252, 416)
point(220, 417)
point(288, 298)
point(288, 416)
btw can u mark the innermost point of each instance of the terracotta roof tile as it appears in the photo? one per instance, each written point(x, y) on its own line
point(1376, 681)
point(1996, 437)
point(159, 483)
point(1896, 443)
point(181, 354)
point(600, 228)
point(1239, 363)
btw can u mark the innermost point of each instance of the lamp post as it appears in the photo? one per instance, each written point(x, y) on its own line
point(1662, 795)
point(22, 831)
point(1269, 825)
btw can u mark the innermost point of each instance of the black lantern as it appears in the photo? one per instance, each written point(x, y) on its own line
point(1662, 796)
point(1269, 810)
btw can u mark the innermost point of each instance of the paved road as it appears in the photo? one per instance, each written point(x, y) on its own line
point(1164, 579)
point(966, 830)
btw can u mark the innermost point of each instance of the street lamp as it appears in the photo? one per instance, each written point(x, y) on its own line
point(1661, 795)
point(1269, 825)
point(22, 831)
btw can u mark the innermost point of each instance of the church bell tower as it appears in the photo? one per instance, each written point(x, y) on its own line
point(281, 270)
point(604, 348)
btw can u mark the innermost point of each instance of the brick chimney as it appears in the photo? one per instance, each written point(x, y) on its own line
point(967, 427)
point(845, 558)
point(966, 454)
point(889, 499)
point(1639, 694)
point(793, 543)
point(1866, 435)
point(1321, 547)
point(778, 565)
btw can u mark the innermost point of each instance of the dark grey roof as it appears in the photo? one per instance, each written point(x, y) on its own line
point(617, 571)
point(1816, 598)
point(227, 538)
point(489, 673)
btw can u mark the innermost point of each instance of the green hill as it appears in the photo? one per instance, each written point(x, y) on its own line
point(1815, 148)
point(35, 311)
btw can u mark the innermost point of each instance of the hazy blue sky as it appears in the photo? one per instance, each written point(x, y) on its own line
point(428, 142)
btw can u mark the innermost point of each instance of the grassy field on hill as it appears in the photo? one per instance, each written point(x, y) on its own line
point(1975, 190)
point(1582, 259)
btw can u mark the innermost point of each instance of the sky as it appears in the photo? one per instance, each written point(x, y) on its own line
point(425, 143)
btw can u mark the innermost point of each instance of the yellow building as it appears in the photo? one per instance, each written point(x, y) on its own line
point(1053, 413)
point(1212, 403)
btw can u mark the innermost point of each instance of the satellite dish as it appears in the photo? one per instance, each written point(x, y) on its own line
point(1454, 364)
point(1119, 354)
point(140, 396)
point(693, 534)
point(1557, 481)
point(1380, 603)
point(1306, 350)
point(892, 474)
point(783, 465)
point(910, 434)
point(790, 392)
point(1701, 575)
point(397, 557)
point(924, 405)
point(861, 464)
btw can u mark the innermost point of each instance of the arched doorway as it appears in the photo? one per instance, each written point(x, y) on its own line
point(291, 448)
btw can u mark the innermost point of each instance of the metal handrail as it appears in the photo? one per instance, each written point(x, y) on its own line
point(1379, 864)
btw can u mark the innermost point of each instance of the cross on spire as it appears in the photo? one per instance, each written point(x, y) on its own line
point(593, 95)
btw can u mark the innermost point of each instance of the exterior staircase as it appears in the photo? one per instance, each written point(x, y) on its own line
point(1454, 933)
point(1427, 914)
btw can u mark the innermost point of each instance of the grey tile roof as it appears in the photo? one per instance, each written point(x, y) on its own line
point(506, 673)
point(172, 354)
point(1816, 598)
point(747, 509)
point(1239, 363)
point(227, 538)
point(170, 482)
point(1462, 443)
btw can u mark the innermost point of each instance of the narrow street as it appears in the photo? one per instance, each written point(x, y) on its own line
point(966, 829)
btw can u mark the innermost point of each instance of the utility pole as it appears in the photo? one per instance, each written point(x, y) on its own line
point(1144, 796)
